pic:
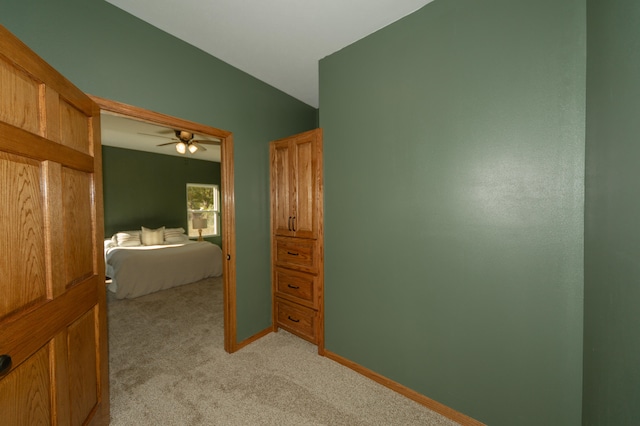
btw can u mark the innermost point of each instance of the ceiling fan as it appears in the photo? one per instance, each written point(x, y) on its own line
point(184, 141)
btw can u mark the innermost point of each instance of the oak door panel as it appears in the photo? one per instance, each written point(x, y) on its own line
point(24, 393)
point(83, 382)
point(53, 304)
point(19, 103)
point(281, 186)
point(305, 187)
point(77, 219)
point(74, 128)
point(21, 198)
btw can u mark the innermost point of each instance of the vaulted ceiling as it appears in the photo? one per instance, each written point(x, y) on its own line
point(279, 42)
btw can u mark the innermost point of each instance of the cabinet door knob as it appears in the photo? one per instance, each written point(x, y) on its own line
point(289, 224)
point(294, 224)
point(5, 364)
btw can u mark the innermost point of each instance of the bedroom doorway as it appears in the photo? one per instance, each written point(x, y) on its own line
point(227, 197)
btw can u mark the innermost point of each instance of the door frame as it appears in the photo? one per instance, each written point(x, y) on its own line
point(228, 199)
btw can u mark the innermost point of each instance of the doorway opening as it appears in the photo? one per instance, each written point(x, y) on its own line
point(227, 197)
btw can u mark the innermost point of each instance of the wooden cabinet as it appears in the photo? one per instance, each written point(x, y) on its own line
point(295, 185)
point(297, 236)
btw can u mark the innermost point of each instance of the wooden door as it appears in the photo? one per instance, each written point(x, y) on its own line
point(295, 175)
point(53, 340)
point(281, 187)
point(305, 161)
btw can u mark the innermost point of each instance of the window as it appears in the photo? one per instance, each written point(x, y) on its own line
point(203, 209)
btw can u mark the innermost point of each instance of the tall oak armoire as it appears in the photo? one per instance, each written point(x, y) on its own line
point(297, 249)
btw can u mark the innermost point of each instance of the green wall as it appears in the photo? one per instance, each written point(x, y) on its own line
point(455, 266)
point(461, 254)
point(109, 53)
point(146, 189)
point(612, 213)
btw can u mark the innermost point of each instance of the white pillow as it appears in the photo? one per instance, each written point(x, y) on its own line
point(128, 238)
point(152, 237)
point(175, 235)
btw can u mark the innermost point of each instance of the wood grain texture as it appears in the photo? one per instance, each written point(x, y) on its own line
point(15, 52)
point(74, 129)
point(22, 334)
point(102, 414)
point(47, 165)
point(305, 191)
point(297, 239)
point(21, 199)
point(20, 142)
point(83, 381)
point(24, 393)
point(228, 244)
point(297, 319)
point(295, 172)
point(19, 104)
point(281, 187)
point(61, 398)
point(119, 108)
point(296, 253)
point(54, 234)
point(297, 287)
point(77, 219)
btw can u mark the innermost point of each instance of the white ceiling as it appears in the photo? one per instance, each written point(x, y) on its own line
point(279, 41)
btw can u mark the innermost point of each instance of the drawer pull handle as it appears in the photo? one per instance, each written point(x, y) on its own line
point(291, 319)
point(295, 287)
point(293, 254)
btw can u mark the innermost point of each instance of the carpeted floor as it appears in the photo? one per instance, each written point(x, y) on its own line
point(168, 367)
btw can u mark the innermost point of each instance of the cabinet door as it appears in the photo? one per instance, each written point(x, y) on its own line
point(53, 304)
point(305, 159)
point(296, 164)
point(281, 189)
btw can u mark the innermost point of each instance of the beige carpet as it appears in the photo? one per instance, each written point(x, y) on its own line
point(168, 367)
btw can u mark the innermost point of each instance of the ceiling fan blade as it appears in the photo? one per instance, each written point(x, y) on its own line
point(155, 136)
point(208, 142)
point(168, 143)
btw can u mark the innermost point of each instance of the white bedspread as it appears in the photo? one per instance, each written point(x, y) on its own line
point(136, 271)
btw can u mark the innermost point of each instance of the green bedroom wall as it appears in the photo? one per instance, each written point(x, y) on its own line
point(458, 271)
point(612, 235)
point(108, 53)
point(146, 189)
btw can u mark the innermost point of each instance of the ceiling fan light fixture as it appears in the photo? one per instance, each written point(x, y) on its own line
point(183, 135)
point(181, 147)
point(192, 148)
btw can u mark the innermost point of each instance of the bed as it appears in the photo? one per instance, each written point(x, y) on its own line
point(139, 266)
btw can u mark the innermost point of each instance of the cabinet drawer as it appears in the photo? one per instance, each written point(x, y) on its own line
point(296, 319)
point(296, 286)
point(296, 253)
